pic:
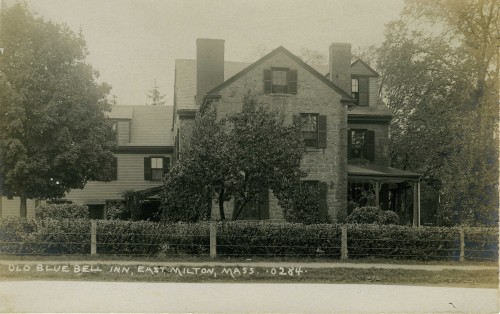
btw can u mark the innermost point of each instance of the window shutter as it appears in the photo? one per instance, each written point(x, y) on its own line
point(114, 165)
point(296, 120)
point(166, 165)
point(323, 192)
point(264, 204)
point(363, 91)
point(321, 131)
point(349, 144)
point(292, 82)
point(268, 85)
point(370, 145)
point(147, 169)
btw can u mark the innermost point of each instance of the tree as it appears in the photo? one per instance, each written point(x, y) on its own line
point(235, 157)
point(53, 129)
point(446, 111)
point(155, 96)
point(312, 57)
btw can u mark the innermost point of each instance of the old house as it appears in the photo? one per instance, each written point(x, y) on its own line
point(345, 128)
point(345, 123)
point(142, 157)
point(144, 144)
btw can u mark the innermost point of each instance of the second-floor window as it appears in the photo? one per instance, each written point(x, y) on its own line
point(280, 81)
point(361, 144)
point(313, 129)
point(155, 168)
point(358, 144)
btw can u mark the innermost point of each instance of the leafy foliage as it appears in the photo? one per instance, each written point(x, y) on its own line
point(234, 157)
point(300, 203)
point(441, 84)
point(373, 215)
point(53, 130)
point(71, 236)
point(62, 211)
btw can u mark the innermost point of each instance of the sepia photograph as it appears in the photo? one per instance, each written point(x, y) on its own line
point(249, 156)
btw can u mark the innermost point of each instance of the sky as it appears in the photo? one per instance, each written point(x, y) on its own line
point(134, 42)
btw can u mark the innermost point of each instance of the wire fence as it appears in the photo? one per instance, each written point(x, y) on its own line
point(246, 239)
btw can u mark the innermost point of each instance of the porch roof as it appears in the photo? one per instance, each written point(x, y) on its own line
point(380, 173)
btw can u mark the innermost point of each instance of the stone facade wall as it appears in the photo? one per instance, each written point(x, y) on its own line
point(313, 96)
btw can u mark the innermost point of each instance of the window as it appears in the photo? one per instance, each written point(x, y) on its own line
point(359, 90)
point(358, 143)
point(361, 144)
point(355, 88)
point(280, 81)
point(313, 129)
point(155, 168)
point(309, 128)
point(114, 131)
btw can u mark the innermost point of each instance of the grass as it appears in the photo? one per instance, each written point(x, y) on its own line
point(223, 259)
point(104, 271)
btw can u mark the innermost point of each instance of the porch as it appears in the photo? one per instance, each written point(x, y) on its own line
point(386, 187)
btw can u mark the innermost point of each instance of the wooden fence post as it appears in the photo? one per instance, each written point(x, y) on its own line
point(462, 245)
point(213, 240)
point(93, 237)
point(343, 249)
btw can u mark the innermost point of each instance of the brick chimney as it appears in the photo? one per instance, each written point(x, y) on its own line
point(340, 65)
point(209, 65)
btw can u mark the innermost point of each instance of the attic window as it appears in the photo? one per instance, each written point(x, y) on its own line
point(280, 81)
point(360, 90)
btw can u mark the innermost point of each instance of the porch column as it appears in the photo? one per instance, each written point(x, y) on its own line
point(377, 193)
point(416, 204)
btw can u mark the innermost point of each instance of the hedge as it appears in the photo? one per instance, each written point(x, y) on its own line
point(47, 237)
point(243, 239)
point(278, 239)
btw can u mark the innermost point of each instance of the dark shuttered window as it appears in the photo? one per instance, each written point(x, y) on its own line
point(313, 129)
point(280, 81)
point(361, 144)
point(155, 168)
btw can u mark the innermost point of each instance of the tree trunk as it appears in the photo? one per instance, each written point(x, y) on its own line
point(221, 204)
point(23, 209)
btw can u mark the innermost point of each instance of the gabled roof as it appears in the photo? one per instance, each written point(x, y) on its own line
point(299, 61)
point(149, 125)
point(185, 80)
point(361, 68)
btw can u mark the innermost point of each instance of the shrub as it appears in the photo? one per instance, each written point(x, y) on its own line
point(43, 237)
point(278, 239)
point(149, 238)
point(118, 210)
point(372, 215)
point(244, 238)
point(62, 211)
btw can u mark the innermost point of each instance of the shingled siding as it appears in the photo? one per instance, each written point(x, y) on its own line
point(313, 96)
point(10, 207)
point(130, 176)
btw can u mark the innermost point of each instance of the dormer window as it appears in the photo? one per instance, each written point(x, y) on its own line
point(359, 90)
point(280, 81)
point(355, 88)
